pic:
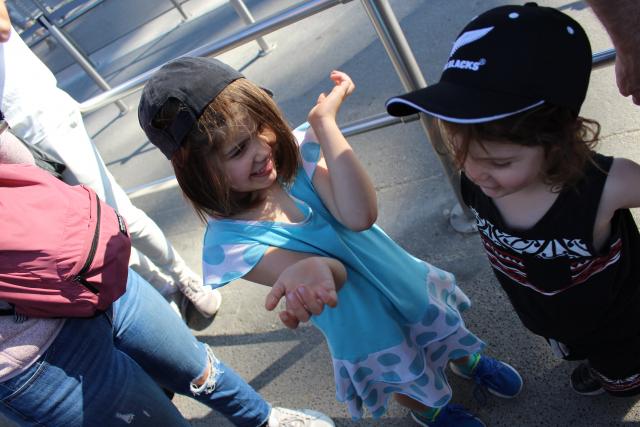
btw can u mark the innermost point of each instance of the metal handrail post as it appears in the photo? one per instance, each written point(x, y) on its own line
point(262, 27)
point(178, 6)
point(395, 43)
point(243, 11)
point(80, 58)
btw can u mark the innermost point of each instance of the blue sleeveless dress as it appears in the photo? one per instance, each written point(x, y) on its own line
point(397, 322)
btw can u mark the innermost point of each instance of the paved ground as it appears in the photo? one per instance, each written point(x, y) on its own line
point(292, 368)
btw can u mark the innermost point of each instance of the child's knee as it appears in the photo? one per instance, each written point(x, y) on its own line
point(206, 383)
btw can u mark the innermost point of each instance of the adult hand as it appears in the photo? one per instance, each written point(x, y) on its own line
point(5, 23)
point(628, 74)
point(620, 18)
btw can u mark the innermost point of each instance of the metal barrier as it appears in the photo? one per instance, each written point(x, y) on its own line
point(393, 39)
point(53, 19)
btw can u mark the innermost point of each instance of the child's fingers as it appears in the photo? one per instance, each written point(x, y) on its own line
point(274, 296)
point(321, 98)
point(296, 308)
point(328, 296)
point(288, 320)
point(310, 301)
point(343, 80)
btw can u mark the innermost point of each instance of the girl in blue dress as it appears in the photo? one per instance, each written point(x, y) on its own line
point(295, 210)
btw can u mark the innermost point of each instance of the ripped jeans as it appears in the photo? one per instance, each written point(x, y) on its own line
point(105, 371)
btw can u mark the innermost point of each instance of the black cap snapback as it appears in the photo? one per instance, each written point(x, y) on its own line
point(507, 60)
point(195, 82)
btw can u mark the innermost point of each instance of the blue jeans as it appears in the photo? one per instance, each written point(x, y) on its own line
point(105, 371)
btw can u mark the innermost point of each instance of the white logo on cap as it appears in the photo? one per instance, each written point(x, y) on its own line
point(464, 39)
point(469, 37)
point(465, 65)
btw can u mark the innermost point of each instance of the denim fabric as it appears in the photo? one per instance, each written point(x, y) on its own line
point(105, 371)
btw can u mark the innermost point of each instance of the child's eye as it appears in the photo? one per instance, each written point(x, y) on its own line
point(501, 164)
point(237, 150)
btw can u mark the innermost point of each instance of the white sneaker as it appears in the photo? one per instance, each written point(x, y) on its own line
point(206, 300)
point(283, 417)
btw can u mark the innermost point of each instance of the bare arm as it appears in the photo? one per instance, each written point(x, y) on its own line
point(5, 23)
point(307, 282)
point(621, 189)
point(341, 180)
point(621, 19)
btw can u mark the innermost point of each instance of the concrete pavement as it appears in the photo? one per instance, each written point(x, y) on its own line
point(292, 368)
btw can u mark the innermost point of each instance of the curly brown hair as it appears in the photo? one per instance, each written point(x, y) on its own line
point(568, 140)
point(198, 161)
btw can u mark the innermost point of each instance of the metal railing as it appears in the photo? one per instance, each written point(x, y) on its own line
point(52, 20)
point(393, 39)
point(247, 34)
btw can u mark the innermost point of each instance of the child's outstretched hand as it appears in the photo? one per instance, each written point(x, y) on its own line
point(327, 106)
point(308, 285)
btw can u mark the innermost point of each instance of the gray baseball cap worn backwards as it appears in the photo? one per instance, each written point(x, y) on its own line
point(193, 81)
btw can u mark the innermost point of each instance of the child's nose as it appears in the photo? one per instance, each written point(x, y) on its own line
point(263, 149)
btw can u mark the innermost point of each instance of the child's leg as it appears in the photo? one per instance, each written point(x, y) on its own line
point(413, 404)
point(467, 364)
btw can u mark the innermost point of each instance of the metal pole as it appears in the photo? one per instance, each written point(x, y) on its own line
point(178, 6)
point(395, 43)
point(600, 59)
point(80, 58)
point(247, 17)
point(378, 121)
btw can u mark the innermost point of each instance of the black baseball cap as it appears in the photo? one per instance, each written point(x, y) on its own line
point(195, 82)
point(507, 60)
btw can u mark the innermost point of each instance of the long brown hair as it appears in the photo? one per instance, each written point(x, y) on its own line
point(198, 163)
point(568, 140)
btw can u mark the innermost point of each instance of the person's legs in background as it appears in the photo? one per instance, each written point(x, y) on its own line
point(82, 379)
point(106, 370)
point(71, 144)
point(167, 350)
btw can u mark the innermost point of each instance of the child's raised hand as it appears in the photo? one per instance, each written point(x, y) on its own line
point(308, 285)
point(327, 106)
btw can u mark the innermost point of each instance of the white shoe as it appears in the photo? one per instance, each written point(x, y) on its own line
point(283, 417)
point(206, 300)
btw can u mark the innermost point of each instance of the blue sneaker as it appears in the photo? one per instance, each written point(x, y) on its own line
point(450, 416)
point(499, 378)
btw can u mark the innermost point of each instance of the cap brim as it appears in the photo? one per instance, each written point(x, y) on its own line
point(458, 104)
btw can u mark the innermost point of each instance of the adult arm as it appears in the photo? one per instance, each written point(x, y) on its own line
point(621, 19)
point(340, 179)
point(5, 22)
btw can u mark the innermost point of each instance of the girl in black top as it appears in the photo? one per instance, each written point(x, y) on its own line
point(553, 215)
